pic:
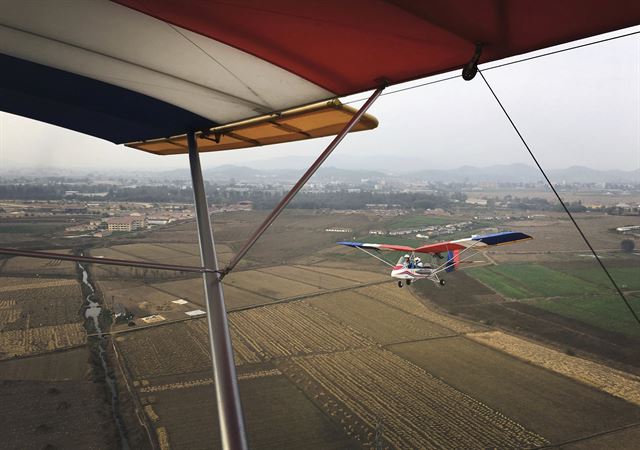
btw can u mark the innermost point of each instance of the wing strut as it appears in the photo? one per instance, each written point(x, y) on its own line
point(375, 256)
point(301, 182)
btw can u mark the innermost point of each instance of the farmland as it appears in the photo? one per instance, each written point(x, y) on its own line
point(514, 387)
point(330, 355)
point(39, 315)
point(582, 292)
point(418, 409)
point(60, 414)
point(531, 280)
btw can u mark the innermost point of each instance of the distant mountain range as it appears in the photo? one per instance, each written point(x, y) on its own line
point(497, 173)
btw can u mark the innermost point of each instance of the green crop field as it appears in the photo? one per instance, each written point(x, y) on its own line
point(626, 277)
point(521, 281)
point(603, 311)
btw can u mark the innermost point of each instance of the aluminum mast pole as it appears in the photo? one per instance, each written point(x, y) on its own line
point(301, 182)
point(224, 370)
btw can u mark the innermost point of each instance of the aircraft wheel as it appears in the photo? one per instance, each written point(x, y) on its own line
point(442, 282)
point(408, 282)
point(399, 283)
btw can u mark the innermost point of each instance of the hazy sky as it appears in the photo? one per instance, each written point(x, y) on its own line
point(580, 107)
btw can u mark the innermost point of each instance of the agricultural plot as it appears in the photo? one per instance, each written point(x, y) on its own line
point(30, 267)
point(58, 366)
point(141, 300)
point(278, 416)
point(540, 400)
point(63, 414)
point(165, 350)
point(614, 382)
point(268, 285)
point(16, 283)
point(366, 275)
point(35, 307)
point(292, 329)
point(628, 278)
point(531, 280)
point(605, 311)
point(385, 324)
point(417, 409)
point(193, 291)
point(402, 299)
point(31, 341)
point(317, 279)
point(177, 348)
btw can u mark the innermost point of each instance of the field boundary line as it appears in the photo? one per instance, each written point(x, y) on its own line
point(413, 341)
point(306, 296)
point(592, 436)
point(262, 270)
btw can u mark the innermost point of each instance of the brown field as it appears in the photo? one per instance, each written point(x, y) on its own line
point(178, 348)
point(299, 273)
point(385, 324)
point(141, 300)
point(538, 399)
point(193, 291)
point(57, 366)
point(361, 276)
point(30, 267)
point(278, 417)
point(614, 382)
point(390, 294)
point(16, 283)
point(62, 414)
point(268, 285)
point(292, 329)
point(557, 233)
point(36, 307)
point(31, 341)
point(418, 410)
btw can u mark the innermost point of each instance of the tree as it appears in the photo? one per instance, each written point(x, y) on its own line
point(627, 245)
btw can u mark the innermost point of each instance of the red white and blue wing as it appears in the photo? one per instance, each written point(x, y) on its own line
point(140, 70)
point(477, 242)
point(397, 248)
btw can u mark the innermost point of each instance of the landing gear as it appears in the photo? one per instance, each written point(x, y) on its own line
point(408, 282)
point(399, 283)
point(442, 282)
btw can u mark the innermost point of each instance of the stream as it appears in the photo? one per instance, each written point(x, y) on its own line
point(93, 312)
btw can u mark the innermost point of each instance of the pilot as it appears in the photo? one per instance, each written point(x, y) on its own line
point(407, 262)
point(418, 262)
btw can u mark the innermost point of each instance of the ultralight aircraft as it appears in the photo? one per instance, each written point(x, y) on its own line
point(411, 268)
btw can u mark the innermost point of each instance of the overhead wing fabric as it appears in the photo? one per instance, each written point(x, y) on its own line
point(397, 248)
point(347, 47)
point(140, 70)
point(477, 242)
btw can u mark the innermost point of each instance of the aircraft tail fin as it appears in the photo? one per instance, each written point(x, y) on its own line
point(453, 260)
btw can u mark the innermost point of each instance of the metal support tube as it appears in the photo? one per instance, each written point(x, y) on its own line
point(301, 182)
point(228, 397)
